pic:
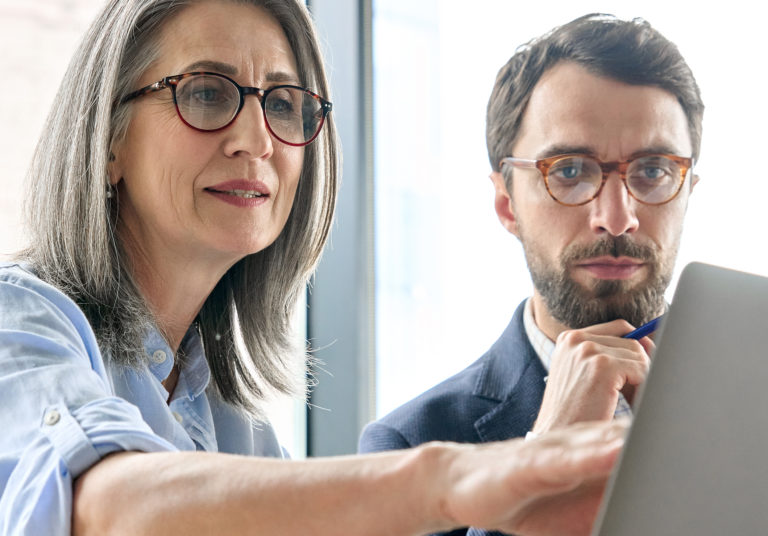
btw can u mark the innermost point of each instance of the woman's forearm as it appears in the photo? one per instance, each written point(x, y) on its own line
point(395, 493)
point(545, 487)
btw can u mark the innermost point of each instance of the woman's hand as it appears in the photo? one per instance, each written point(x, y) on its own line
point(548, 486)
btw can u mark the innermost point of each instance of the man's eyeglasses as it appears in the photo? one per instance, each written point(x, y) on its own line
point(577, 179)
point(211, 101)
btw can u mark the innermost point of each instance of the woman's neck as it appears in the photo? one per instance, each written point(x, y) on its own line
point(175, 287)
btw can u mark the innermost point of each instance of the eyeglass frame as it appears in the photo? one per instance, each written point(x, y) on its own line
point(543, 165)
point(170, 82)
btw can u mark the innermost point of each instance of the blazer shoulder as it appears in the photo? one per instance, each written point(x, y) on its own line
point(446, 412)
point(463, 407)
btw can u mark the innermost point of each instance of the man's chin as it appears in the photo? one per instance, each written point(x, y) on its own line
point(605, 301)
point(579, 298)
point(614, 290)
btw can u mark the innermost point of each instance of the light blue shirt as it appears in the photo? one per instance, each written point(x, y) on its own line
point(63, 407)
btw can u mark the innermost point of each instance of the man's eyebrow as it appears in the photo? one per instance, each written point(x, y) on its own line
point(555, 150)
point(658, 149)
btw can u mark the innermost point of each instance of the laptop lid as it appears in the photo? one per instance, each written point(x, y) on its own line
point(696, 457)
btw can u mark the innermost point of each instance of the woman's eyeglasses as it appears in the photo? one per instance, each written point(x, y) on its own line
point(211, 101)
point(576, 179)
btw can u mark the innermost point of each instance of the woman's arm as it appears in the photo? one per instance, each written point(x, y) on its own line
point(551, 485)
point(58, 413)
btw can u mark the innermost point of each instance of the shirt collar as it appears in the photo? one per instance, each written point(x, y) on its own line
point(194, 374)
point(542, 345)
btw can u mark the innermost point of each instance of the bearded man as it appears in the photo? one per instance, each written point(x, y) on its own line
point(592, 133)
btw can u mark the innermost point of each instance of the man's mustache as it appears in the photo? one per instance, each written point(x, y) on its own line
point(613, 246)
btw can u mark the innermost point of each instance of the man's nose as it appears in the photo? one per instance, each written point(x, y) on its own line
point(614, 210)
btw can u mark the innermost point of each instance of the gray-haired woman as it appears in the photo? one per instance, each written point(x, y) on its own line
point(179, 199)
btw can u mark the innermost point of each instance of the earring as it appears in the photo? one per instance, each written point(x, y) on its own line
point(110, 189)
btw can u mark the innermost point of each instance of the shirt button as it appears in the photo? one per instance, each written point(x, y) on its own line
point(52, 417)
point(159, 357)
point(178, 417)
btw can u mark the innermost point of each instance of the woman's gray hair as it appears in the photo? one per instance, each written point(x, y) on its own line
point(245, 323)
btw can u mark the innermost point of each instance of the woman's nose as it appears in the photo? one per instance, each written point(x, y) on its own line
point(249, 134)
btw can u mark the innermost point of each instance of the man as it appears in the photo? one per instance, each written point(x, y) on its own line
point(592, 131)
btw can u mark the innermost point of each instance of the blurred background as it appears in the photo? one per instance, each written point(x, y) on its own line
point(420, 278)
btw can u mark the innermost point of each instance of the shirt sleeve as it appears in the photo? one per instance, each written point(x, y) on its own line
point(58, 414)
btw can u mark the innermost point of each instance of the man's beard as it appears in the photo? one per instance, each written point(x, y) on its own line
point(577, 307)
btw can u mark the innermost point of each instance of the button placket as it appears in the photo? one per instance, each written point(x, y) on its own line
point(159, 356)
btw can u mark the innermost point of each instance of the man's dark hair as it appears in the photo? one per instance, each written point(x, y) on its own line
point(628, 51)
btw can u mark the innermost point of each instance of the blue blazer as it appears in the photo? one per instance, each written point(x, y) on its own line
point(497, 397)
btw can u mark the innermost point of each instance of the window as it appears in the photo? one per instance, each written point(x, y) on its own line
point(448, 276)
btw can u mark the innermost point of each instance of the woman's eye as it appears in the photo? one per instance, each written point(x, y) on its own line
point(207, 95)
point(204, 91)
point(279, 106)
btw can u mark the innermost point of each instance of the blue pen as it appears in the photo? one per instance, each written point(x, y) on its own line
point(645, 329)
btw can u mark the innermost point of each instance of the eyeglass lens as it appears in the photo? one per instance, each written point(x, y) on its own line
point(210, 102)
point(576, 179)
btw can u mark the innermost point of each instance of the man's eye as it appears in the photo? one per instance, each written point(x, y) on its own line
point(567, 172)
point(654, 172)
point(570, 172)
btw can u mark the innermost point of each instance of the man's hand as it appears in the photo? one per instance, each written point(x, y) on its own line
point(589, 368)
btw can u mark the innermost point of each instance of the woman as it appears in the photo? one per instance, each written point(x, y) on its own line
point(176, 212)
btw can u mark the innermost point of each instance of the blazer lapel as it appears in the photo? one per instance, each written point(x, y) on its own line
point(513, 375)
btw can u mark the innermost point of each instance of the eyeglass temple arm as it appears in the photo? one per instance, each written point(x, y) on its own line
point(157, 86)
point(518, 162)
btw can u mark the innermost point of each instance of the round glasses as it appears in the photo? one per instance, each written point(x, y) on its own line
point(577, 179)
point(211, 101)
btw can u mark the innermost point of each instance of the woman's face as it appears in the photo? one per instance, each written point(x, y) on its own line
point(208, 196)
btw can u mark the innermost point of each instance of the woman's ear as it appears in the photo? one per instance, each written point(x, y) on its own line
point(113, 168)
point(503, 203)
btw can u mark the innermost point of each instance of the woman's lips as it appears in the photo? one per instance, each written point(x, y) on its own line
point(240, 192)
point(611, 267)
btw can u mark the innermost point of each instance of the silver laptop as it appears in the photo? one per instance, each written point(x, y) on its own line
point(696, 458)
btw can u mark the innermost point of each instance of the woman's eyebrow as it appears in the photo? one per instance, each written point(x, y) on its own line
point(282, 77)
point(211, 65)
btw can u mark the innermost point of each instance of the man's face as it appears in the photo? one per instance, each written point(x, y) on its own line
point(613, 257)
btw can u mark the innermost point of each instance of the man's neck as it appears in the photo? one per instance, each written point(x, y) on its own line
point(544, 320)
